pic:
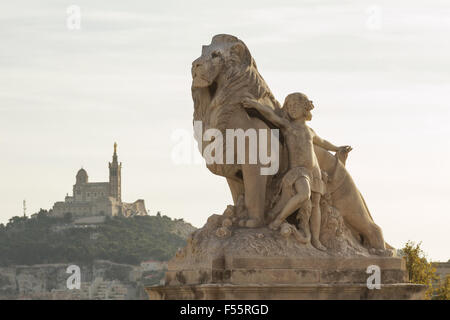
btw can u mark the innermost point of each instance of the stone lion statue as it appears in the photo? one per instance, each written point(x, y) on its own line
point(222, 77)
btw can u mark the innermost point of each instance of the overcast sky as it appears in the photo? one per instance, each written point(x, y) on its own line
point(378, 72)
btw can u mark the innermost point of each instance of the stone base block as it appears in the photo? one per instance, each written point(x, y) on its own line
point(402, 291)
point(285, 278)
point(279, 270)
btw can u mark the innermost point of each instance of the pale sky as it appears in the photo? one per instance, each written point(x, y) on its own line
point(378, 73)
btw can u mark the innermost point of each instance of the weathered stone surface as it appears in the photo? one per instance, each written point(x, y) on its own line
point(329, 263)
point(287, 292)
point(229, 94)
point(302, 232)
point(276, 270)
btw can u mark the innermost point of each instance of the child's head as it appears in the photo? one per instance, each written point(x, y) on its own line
point(297, 105)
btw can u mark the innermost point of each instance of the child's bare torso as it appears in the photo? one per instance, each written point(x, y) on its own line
point(300, 145)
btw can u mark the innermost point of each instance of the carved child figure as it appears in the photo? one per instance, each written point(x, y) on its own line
point(304, 176)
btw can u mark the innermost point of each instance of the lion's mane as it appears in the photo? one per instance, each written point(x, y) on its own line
point(242, 81)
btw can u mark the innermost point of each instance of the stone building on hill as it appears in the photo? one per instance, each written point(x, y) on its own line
point(99, 198)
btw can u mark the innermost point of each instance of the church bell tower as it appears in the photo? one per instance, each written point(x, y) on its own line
point(115, 177)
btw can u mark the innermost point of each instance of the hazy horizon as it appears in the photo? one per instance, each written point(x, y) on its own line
point(68, 95)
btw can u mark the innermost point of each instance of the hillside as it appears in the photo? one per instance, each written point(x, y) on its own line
point(44, 240)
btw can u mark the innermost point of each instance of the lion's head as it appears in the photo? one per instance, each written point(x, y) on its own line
point(222, 77)
point(223, 53)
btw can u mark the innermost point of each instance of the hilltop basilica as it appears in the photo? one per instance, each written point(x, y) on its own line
point(99, 198)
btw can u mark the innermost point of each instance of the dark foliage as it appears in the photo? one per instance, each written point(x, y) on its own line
point(45, 239)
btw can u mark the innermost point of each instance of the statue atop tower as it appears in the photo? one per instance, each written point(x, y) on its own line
point(115, 177)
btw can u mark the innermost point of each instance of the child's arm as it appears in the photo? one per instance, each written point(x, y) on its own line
point(266, 111)
point(328, 145)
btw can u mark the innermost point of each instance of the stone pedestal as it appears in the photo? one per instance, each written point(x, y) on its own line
point(404, 291)
point(265, 278)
